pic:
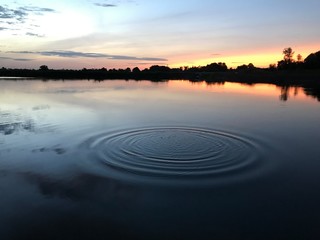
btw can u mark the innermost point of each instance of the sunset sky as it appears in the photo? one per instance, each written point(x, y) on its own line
point(126, 33)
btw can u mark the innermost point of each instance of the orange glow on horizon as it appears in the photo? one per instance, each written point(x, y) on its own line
point(258, 58)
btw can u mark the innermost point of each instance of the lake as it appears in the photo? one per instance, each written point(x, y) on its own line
point(158, 160)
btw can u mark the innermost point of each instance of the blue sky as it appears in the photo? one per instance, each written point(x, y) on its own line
point(121, 33)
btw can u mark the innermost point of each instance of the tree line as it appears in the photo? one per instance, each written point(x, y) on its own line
point(213, 71)
point(288, 62)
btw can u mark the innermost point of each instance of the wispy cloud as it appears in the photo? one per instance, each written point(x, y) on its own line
point(22, 59)
point(16, 14)
point(114, 3)
point(73, 54)
point(38, 10)
point(19, 17)
point(16, 59)
point(34, 34)
point(148, 63)
point(105, 5)
point(20, 14)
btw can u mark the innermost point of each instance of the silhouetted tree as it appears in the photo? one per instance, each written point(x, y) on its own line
point(288, 55)
point(136, 70)
point(272, 67)
point(313, 61)
point(215, 67)
point(251, 66)
point(44, 68)
point(157, 68)
point(287, 62)
point(244, 67)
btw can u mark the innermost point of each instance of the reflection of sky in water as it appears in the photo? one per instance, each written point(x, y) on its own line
point(83, 106)
point(10, 124)
point(20, 120)
point(55, 116)
point(56, 139)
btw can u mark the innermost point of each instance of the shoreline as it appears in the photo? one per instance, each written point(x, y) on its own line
point(277, 77)
point(309, 80)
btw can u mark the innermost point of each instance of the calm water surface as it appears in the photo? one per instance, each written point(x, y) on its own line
point(168, 160)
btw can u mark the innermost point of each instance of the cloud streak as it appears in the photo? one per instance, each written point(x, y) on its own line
point(105, 5)
point(73, 54)
point(34, 35)
point(108, 4)
point(16, 59)
point(38, 10)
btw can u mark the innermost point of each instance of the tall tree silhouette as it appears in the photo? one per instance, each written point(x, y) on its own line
point(288, 61)
point(288, 54)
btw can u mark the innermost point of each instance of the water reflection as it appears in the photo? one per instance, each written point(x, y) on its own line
point(40, 107)
point(57, 149)
point(83, 187)
point(82, 86)
point(82, 206)
point(167, 160)
point(287, 91)
point(173, 154)
point(11, 123)
point(313, 92)
point(284, 93)
point(17, 120)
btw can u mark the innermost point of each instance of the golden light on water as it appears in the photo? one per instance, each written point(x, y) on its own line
point(263, 90)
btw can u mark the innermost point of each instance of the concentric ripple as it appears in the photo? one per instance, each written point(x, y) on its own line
point(174, 151)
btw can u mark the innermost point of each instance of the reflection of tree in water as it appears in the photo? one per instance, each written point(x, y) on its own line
point(310, 89)
point(10, 123)
point(219, 83)
point(285, 90)
point(313, 91)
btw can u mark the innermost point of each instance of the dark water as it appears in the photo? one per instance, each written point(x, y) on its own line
point(171, 160)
